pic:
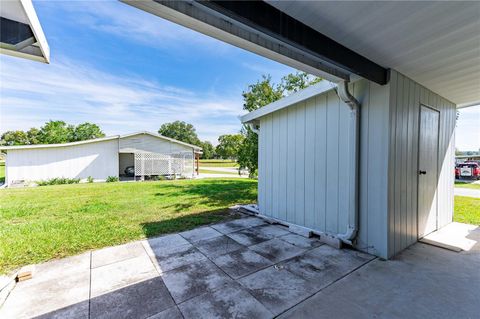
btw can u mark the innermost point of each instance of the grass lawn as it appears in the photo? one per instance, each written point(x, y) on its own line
point(467, 185)
point(2, 172)
point(467, 210)
point(208, 171)
point(38, 224)
point(217, 163)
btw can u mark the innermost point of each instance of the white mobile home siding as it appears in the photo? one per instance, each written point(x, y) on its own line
point(98, 159)
point(303, 164)
point(406, 96)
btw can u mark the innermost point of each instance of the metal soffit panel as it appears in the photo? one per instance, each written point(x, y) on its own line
point(437, 44)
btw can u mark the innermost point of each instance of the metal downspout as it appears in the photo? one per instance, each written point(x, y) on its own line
point(354, 143)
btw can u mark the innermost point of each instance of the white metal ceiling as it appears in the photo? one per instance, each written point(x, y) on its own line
point(436, 44)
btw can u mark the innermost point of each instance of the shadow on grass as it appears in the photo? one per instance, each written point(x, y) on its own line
point(187, 222)
point(211, 193)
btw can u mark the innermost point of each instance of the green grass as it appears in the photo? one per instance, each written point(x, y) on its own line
point(38, 224)
point(467, 210)
point(2, 172)
point(208, 171)
point(217, 163)
point(467, 185)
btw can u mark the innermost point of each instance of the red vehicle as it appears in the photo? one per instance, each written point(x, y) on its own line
point(470, 170)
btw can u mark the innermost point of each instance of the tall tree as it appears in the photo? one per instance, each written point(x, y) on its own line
point(229, 145)
point(181, 131)
point(87, 131)
point(208, 150)
point(258, 95)
point(54, 132)
point(33, 136)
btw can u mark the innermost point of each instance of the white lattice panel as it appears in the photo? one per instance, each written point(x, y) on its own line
point(147, 164)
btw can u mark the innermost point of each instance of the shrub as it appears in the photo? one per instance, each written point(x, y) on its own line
point(58, 181)
point(111, 179)
point(89, 179)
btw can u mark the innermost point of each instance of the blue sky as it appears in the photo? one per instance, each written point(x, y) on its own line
point(127, 70)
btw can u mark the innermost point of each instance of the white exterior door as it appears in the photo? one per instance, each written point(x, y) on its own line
point(427, 171)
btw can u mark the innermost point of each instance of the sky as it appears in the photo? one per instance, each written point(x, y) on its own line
point(127, 70)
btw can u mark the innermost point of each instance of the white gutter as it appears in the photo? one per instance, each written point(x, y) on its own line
point(354, 138)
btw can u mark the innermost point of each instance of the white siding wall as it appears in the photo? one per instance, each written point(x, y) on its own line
point(405, 99)
point(303, 164)
point(148, 143)
point(98, 160)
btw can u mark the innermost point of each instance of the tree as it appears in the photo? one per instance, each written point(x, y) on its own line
point(11, 138)
point(229, 146)
point(33, 136)
point(181, 131)
point(208, 150)
point(258, 95)
point(54, 132)
point(87, 131)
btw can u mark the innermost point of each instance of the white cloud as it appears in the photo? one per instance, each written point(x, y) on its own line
point(32, 93)
point(128, 22)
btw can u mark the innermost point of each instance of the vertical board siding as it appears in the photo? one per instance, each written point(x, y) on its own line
point(307, 144)
point(98, 160)
point(406, 96)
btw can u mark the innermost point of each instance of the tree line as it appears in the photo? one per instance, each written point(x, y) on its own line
point(242, 147)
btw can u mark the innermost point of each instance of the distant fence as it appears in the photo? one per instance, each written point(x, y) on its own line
point(152, 164)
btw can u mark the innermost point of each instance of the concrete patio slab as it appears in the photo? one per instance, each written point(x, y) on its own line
point(238, 224)
point(217, 246)
point(421, 282)
point(201, 233)
point(301, 241)
point(272, 231)
point(323, 265)
point(231, 301)
point(454, 236)
point(284, 275)
point(62, 298)
point(168, 258)
point(241, 262)
point(173, 240)
point(124, 273)
point(277, 250)
point(140, 300)
point(194, 279)
point(249, 236)
point(277, 288)
point(114, 254)
point(170, 313)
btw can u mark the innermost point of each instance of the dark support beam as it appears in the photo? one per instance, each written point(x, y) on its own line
point(261, 16)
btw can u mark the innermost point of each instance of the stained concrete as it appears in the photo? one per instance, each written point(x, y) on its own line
point(191, 280)
point(284, 274)
point(277, 288)
point(140, 300)
point(201, 233)
point(241, 262)
point(230, 301)
point(277, 250)
point(238, 224)
point(218, 246)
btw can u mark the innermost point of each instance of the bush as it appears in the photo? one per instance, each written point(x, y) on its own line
point(58, 181)
point(111, 179)
point(89, 179)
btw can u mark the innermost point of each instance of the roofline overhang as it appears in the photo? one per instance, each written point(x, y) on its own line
point(259, 27)
point(39, 50)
